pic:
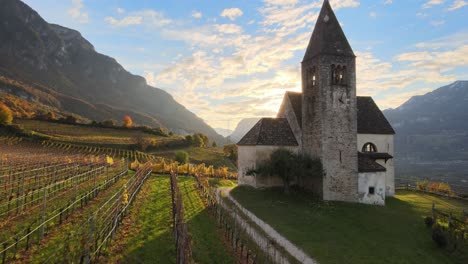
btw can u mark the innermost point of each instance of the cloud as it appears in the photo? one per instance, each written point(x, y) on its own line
point(147, 17)
point(229, 28)
point(437, 23)
point(120, 10)
point(76, 12)
point(281, 2)
point(373, 14)
point(197, 14)
point(396, 100)
point(232, 13)
point(457, 4)
point(432, 3)
point(126, 21)
point(388, 2)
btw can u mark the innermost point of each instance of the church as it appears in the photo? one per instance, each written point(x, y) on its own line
point(348, 133)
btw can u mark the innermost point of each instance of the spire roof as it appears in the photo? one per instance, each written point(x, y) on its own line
point(328, 37)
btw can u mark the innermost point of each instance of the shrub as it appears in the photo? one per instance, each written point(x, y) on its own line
point(429, 221)
point(422, 185)
point(182, 157)
point(6, 116)
point(439, 237)
point(214, 145)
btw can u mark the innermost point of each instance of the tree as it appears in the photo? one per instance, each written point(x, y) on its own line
point(6, 116)
point(190, 140)
point(127, 121)
point(214, 145)
point(182, 157)
point(108, 123)
point(70, 119)
point(197, 140)
point(230, 151)
point(286, 165)
point(206, 140)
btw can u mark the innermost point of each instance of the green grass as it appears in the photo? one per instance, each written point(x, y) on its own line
point(217, 182)
point(91, 135)
point(146, 234)
point(354, 233)
point(209, 156)
point(207, 241)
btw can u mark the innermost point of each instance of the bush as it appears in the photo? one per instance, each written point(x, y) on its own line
point(439, 237)
point(182, 157)
point(422, 185)
point(429, 221)
point(6, 116)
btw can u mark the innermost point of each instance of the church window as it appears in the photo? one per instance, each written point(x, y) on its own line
point(339, 74)
point(314, 77)
point(371, 190)
point(311, 77)
point(369, 148)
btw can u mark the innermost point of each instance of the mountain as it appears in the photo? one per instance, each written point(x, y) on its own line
point(242, 128)
point(432, 134)
point(62, 70)
point(223, 131)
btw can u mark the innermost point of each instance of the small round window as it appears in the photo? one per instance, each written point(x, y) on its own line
point(369, 147)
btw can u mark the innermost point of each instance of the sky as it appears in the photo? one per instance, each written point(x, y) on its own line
point(229, 60)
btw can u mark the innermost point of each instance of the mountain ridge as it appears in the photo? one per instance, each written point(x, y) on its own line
point(432, 134)
point(64, 64)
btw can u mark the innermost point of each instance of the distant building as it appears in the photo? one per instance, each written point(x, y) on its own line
point(349, 134)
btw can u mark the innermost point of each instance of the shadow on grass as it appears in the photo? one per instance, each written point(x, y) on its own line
point(337, 232)
point(146, 235)
point(208, 245)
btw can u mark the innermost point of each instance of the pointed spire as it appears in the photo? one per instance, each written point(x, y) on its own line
point(328, 37)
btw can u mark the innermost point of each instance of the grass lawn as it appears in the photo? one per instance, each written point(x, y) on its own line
point(207, 240)
point(209, 156)
point(146, 233)
point(337, 232)
point(89, 134)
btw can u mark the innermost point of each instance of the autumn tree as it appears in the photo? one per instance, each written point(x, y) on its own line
point(127, 121)
point(6, 116)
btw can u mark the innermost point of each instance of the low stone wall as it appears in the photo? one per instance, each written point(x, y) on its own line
point(266, 244)
point(275, 236)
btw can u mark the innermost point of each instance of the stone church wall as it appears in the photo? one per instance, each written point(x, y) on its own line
point(330, 125)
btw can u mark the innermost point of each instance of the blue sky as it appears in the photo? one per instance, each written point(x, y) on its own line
point(228, 60)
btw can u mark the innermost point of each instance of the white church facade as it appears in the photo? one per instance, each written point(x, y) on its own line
point(348, 133)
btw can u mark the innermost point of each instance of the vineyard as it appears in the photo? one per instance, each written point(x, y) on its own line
point(59, 206)
point(66, 203)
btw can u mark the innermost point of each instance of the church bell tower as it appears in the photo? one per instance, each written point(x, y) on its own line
point(329, 115)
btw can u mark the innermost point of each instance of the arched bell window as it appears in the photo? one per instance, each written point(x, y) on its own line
point(311, 77)
point(369, 148)
point(339, 74)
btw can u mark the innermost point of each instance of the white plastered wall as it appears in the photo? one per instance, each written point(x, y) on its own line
point(372, 179)
point(384, 144)
point(249, 157)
